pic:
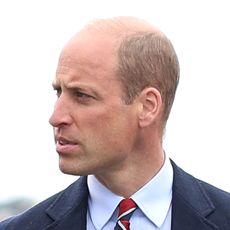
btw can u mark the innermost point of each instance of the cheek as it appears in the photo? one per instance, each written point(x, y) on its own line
point(96, 119)
point(113, 130)
point(110, 125)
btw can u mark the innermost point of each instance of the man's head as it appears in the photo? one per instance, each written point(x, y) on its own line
point(115, 82)
point(145, 58)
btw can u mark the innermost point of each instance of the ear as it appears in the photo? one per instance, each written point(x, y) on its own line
point(150, 106)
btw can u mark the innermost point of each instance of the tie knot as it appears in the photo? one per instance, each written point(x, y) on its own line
point(126, 206)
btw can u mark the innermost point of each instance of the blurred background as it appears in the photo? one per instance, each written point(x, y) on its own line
point(32, 35)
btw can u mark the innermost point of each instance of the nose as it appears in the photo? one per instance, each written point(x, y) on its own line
point(61, 115)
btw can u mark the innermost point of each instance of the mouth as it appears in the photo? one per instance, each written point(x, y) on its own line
point(63, 141)
point(64, 146)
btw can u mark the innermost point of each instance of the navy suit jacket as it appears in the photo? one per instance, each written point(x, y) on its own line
point(196, 205)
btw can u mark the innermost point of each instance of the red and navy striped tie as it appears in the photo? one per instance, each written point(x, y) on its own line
point(126, 208)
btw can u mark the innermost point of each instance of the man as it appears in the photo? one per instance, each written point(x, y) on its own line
point(116, 81)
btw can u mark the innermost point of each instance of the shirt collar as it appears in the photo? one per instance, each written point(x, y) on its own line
point(101, 200)
point(159, 188)
point(154, 198)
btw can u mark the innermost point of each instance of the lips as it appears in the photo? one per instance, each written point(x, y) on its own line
point(63, 141)
point(65, 146)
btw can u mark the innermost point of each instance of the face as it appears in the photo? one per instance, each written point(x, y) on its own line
point(94, 129)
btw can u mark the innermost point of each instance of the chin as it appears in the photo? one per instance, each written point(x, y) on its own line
point(70, 170)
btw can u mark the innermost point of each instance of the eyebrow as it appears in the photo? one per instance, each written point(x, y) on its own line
point(82, 87)
point(76, 86)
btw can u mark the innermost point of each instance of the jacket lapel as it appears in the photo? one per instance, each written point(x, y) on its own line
point(190, 204)
point(70, 208)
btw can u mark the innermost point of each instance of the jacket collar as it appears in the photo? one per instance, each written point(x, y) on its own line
point(190, 204)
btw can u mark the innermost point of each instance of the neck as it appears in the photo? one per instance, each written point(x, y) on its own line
point(134, 173)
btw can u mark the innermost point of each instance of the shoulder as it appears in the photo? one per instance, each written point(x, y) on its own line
point(201, 197)
point(186, 182)
point(42, 214)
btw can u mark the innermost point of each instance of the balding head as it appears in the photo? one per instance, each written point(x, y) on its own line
point(144, 56)
point(120, 26)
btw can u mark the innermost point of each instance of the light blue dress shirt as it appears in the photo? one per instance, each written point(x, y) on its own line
point(153, 200)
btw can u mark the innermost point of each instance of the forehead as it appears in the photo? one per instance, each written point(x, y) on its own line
point(87, 52)
point(90, 61)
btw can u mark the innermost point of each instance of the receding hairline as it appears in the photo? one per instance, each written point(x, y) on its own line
point(116, 29)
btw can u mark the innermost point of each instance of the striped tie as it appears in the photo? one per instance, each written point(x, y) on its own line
point(126, 208)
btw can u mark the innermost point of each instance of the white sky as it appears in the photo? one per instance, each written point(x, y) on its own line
point(31, 36)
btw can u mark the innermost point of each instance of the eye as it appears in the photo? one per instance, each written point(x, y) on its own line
point(82, 95)
point(83, 98)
